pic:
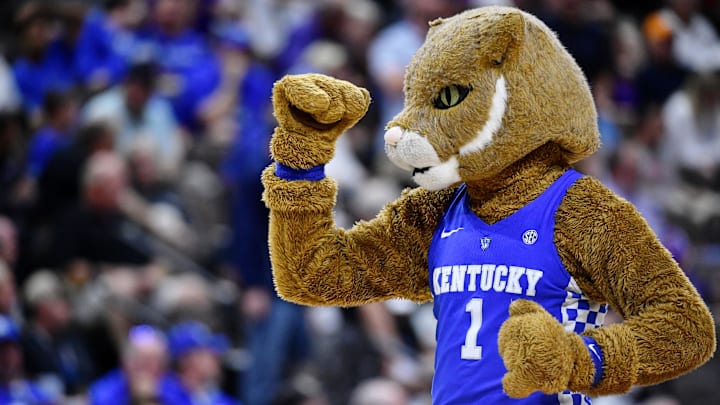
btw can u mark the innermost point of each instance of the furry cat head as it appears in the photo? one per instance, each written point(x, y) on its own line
point(487, 87)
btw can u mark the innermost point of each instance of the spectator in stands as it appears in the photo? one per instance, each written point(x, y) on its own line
point(662, 75)
point(147, 177)
point(587, 40)
point(224, 110)
point(187, 296)
point(96, 230)
point(196, 352)
point(54, 351)
point(608, 112)
point(46, 60)
point(695, 42)
point(135, 111)
point(108, 43)
point(648, 135)
point(189, 70)
point(14, 388)
point(626, 178)
point(59, 116)
point(142, 377)
point(60, 184)
point(692, 130)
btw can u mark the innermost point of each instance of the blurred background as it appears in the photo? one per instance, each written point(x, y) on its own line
point(133, 242)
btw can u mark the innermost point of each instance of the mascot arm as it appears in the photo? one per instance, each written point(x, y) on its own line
point(314, 262)
point(615, 257)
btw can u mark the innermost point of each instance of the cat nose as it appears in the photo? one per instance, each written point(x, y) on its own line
point(393, 135)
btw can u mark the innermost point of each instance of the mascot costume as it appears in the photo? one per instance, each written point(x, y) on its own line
point(520, 254)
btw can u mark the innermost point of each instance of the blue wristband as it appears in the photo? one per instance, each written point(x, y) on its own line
point(314, 173)
point(596, 354)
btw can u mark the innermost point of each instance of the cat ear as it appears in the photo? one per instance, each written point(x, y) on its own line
point(501, 37)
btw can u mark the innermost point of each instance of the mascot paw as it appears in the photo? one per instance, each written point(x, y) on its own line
point(312, 110)
point(538, 353)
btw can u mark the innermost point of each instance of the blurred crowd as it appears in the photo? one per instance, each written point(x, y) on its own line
point(133, 241)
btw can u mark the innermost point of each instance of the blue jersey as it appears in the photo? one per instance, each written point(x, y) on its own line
point(476, 271)
point(114, 389)
point(190, 72)
point(53, 72)
point(102, 46)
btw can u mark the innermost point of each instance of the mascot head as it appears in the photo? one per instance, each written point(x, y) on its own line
point(487, 87)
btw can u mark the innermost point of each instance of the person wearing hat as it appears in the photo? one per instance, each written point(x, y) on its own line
point(14, 388)
point(143, 376)
point(196, 352)
point(696, 43)
point(663, 75)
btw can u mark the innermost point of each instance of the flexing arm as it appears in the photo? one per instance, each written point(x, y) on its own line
point(667, 329)
point(314, 262)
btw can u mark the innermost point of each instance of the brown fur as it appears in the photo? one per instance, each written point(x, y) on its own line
point(516, 45)
point(549, 123)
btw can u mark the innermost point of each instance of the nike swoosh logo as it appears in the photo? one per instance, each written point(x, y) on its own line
point(592, 349)
point(444, 234)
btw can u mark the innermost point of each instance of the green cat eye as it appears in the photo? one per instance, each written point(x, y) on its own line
point(451, 96)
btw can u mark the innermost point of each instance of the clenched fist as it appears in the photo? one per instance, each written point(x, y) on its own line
point(540, 355)
point(312, 111)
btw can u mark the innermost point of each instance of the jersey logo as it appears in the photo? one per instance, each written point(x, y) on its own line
point(444, 234)
point(530, 237)
point(485, 242)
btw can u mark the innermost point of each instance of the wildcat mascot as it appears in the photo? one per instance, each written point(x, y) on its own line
point(520, 254)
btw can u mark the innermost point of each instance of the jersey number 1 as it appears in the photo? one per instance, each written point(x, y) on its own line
point(470, 350)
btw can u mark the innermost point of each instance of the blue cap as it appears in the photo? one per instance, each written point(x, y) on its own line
point(140, 335)
point(9, 331)
point(191, 335)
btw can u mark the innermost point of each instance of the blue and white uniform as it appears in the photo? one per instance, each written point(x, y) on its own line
point(476, 271)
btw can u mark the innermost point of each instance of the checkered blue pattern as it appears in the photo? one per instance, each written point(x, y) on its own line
point(579, 314)
point(573, 398)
